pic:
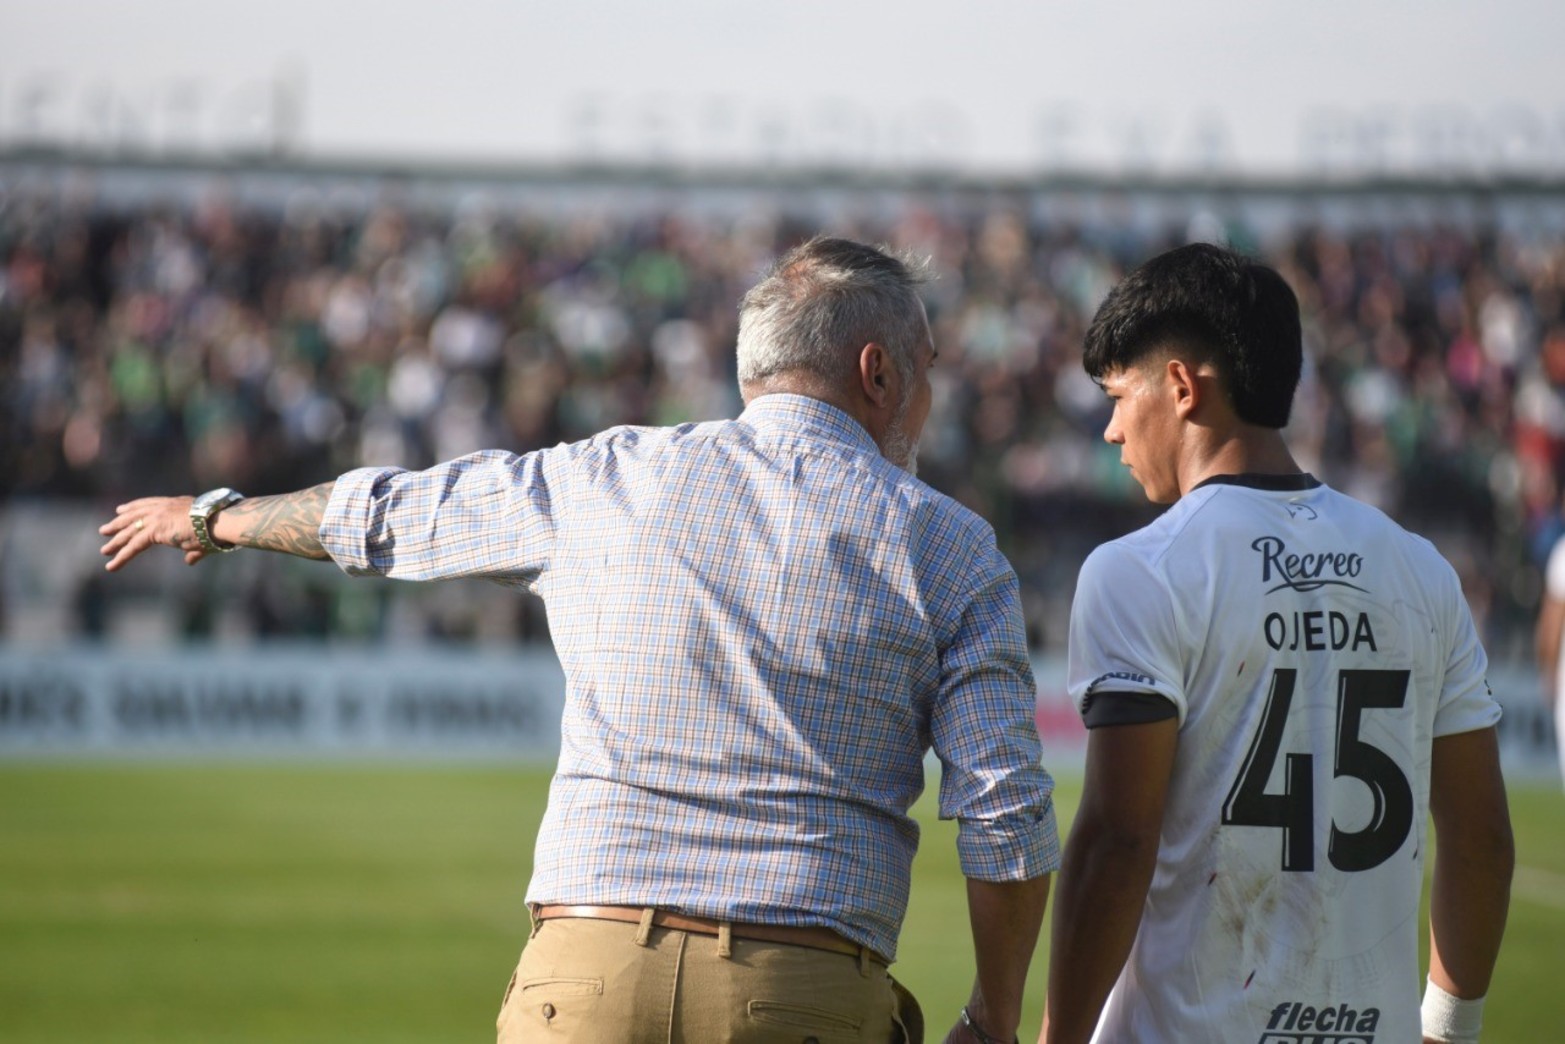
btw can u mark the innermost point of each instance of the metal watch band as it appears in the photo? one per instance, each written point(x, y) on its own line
point(201, 511)
point(978, 1031)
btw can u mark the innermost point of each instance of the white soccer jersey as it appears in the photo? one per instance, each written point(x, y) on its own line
point(1312, 649)
point(1554, 586)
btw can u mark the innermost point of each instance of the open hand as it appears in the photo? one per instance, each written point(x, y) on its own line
point(144, 523)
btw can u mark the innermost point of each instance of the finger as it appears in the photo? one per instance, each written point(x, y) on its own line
point(128, 527)
point(124, 555)
point(140, 505)
point(123, 520)
point(118, 540)
point(126, 545)
point(192, 557)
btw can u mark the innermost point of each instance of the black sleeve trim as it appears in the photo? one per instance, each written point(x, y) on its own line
point(1127, 708)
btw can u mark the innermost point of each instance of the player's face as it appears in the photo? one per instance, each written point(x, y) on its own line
point(1144, 427)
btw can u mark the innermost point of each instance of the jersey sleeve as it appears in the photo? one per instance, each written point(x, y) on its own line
point(1124, 636)
point(1554, 573)
point(1466, 701)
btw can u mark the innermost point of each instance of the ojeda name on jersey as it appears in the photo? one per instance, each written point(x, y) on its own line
point(1318, 630)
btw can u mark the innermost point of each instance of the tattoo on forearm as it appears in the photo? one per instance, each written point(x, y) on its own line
point(289, 523)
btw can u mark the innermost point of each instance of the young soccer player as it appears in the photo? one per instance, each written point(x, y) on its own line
point(1280, 685)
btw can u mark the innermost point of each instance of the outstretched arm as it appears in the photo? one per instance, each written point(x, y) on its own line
point(289, 523)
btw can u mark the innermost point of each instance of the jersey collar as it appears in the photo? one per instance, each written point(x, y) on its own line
point(1271, 483)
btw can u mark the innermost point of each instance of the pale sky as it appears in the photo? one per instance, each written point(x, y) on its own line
point(1239, 86)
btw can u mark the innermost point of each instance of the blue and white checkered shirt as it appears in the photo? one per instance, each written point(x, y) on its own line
point(764, 626)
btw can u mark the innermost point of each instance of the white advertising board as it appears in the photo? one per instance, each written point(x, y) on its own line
point(316, 701)
point(284, 701)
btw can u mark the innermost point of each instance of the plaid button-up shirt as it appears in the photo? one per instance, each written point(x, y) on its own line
point(764, 626)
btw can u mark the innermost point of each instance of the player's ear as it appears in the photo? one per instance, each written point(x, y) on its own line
point(1184, 387)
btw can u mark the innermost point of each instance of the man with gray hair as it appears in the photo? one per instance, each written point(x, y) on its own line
point(765, 624)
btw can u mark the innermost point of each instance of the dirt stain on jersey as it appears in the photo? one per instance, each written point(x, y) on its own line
point(1268, 916)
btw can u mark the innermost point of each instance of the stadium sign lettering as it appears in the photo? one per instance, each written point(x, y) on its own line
point(445, 709)
point(151, 706)
point(1318, 631)
point(41, 703)
point(1309, 571)
point(273, 698)
point(173, 114)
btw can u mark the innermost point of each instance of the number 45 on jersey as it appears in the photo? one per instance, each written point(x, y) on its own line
point(1293, 811)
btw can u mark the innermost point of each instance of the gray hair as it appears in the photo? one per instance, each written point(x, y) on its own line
point(822, 302)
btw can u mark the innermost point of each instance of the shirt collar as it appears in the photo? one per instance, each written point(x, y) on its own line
point(783, 411)
point(1295, 483)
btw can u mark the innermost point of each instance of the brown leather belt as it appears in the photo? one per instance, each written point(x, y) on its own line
point(816, 938)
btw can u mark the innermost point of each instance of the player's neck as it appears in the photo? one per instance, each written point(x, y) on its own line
point(1247, 450)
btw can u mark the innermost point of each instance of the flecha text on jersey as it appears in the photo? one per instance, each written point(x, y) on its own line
point(1295, 1023)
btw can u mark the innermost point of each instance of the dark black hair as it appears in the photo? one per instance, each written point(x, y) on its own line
point(1219, 307)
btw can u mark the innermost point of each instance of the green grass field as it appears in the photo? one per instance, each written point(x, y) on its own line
point(150, 903)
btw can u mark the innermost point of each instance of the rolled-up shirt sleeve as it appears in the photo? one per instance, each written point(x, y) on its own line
point(984, 731)
point(487, 515)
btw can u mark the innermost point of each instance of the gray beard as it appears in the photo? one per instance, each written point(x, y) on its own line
point(901, 450)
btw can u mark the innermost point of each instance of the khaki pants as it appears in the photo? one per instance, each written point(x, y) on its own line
point(588, 981)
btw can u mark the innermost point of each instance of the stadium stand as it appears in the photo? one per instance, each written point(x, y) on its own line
point(193, 335)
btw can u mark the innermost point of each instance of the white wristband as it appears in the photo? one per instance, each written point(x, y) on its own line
point(1449, 1018)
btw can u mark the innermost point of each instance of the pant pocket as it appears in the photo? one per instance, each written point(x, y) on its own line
point(560, 1006)
point(804, 1017)
point(562, 988)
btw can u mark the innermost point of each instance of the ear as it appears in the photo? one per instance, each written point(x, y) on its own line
point(877, 377)
point(1184, 388)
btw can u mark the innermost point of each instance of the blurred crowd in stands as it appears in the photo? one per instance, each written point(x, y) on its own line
point(201, 342)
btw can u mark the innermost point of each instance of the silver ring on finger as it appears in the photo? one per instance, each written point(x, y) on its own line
point(140, 524)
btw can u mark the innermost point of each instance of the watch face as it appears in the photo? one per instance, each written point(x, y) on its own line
point(207, 499)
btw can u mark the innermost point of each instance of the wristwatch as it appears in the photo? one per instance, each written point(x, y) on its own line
point(203, 508)
point(978, 1031)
